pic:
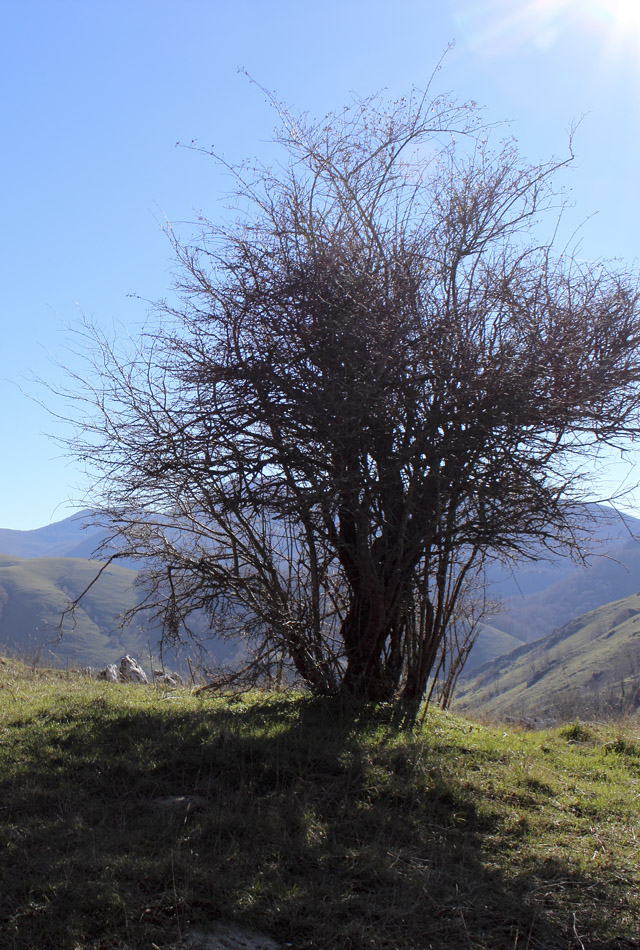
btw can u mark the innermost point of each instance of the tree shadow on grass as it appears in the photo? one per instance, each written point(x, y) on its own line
point(123, 828)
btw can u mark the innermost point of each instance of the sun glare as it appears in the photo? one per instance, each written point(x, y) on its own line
point(620, 17)
point(501, 25)
point(623, 12)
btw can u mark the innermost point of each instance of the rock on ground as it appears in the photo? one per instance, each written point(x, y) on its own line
point(132, 672)
point(229, 937)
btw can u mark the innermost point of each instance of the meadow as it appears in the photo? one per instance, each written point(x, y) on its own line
point(131, 817)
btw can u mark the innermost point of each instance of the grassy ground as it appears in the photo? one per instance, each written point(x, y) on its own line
point(320, 830)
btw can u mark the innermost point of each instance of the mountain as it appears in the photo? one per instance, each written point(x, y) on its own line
point(73, 537)
point(36, 592)
point(589, 667)
point(490, 644)
point(536, 597)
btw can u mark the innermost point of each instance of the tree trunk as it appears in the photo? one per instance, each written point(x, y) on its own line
point(369, 625)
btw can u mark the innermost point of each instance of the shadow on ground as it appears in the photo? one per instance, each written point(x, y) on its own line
point(124, 828)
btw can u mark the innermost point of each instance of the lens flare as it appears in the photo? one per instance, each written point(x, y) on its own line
point(497, 26)
point(619, 13)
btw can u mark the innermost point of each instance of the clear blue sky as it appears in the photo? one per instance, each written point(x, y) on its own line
point(95, 97)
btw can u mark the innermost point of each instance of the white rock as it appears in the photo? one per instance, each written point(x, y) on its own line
point(109, 673)
point(229, 937)
point(131, 672)
point(162, 678)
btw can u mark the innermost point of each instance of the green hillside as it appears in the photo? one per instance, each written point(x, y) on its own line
point(612, 574)
point(491, 644)
point(590, 666)
point(35, 592)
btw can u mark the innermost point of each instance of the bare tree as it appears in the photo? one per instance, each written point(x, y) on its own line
point(377, 376)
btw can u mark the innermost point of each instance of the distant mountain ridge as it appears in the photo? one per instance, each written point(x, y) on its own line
point(74, 536)
point(537, 597)
point(43, 569)
point(36, 592)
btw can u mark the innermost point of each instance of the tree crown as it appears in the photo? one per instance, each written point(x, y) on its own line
point(377, 376)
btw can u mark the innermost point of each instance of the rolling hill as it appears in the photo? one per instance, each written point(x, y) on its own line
point(613, 572)
point(588, 667)
point(36, 592)
point(537, 596)
point(540, 595)
point(491, 644)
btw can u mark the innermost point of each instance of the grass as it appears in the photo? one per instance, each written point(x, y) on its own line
point(318, 829)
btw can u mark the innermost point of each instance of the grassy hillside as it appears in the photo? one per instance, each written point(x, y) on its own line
point(491, 644)
point(591, 665)
point(537, 595)
point(34, 594)
point(130, 819)
point(610, 576)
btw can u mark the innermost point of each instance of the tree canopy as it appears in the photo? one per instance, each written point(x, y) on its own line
point(377, 375)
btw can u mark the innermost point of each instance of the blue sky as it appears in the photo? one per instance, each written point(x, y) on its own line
point(96, 96)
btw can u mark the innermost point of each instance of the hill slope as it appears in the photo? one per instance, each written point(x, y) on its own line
point(490, 644)
point(34, 593)
point(537, 596)
point(590, 666)
point(612, 573)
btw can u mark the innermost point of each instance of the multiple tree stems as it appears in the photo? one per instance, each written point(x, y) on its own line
point(375, 379)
